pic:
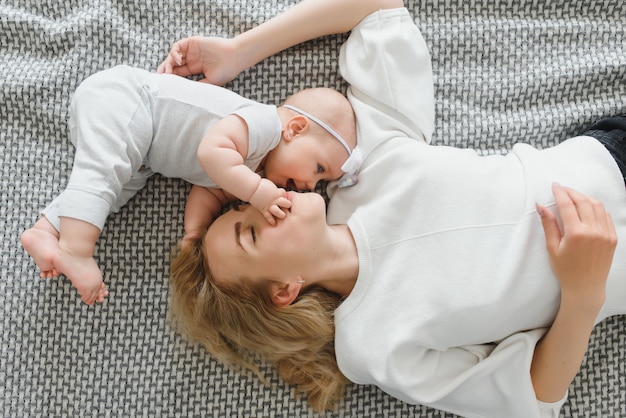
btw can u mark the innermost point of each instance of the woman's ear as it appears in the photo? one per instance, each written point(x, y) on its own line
point(283, 294)
point(295, 126)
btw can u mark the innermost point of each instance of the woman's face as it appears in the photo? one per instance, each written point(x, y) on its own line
point(242, 244)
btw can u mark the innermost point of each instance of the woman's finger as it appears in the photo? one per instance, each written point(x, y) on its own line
point(567, 207)
point(584, 206)
point(550, 228)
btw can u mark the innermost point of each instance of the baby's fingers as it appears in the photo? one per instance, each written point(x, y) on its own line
point(269, 217)
point(283, 202)
point(277, 212)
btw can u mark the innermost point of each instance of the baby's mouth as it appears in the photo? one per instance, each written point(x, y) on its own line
point(291, 185)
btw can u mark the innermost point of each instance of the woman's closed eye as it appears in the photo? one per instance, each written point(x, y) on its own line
point(253, 233)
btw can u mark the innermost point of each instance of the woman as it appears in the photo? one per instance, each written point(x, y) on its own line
point(433, 266)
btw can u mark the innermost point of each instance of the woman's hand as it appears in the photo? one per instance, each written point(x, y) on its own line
point(215, 58)
point(581, 253)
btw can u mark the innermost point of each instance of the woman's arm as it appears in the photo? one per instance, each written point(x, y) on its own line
point(306, 20)
point(221, 60)
point(581, 256)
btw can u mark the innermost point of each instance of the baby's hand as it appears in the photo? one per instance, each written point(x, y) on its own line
point(189, 237)
point(275, 210)
point(271, 201)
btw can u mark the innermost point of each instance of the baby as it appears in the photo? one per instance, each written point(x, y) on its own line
point(128, 124)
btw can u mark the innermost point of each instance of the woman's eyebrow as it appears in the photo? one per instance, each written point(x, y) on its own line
point(238, 235)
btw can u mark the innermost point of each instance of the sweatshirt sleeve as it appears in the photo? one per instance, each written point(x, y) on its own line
point(387, 64)
point(479, 381)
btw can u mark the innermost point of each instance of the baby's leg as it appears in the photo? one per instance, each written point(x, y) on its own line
point(41, 242)
point(74, 259)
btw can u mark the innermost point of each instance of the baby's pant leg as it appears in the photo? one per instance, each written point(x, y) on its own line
point(130, 189)
point(111, 127)
point(92, 209)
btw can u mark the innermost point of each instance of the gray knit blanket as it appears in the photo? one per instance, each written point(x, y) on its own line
point(505, 72)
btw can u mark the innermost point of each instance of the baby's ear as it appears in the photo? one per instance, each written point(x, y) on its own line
point(295, 126)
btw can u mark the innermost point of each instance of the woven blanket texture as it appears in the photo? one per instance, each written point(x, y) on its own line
point(505, 72)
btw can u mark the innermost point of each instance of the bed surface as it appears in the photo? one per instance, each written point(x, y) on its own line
point(535, 72)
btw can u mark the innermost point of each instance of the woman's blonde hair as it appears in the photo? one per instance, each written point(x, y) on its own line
point(234, 322)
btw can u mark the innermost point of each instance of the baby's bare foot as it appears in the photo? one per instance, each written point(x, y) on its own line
point(41, 245)
point(84, 274)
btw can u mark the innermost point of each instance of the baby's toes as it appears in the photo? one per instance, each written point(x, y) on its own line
point(48, 274)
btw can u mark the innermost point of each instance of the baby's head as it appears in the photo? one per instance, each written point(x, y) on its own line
point(318, 136)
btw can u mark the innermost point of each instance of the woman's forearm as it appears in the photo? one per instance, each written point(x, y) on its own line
point(304, 21)
point(559, 354)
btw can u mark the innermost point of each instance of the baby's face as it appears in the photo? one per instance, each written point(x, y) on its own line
point(302, 162)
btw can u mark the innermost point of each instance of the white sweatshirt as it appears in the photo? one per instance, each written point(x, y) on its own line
point(454, 287)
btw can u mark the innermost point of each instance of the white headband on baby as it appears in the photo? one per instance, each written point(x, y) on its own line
point(352, 164)
point(323, 125)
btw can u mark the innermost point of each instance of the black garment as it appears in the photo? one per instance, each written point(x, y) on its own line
point(611, 132)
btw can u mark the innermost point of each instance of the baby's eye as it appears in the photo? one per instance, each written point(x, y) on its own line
point(320, 169)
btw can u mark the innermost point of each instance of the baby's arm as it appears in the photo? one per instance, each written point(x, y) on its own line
point(221, 60)
point(221, 153)
point(203, 205)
